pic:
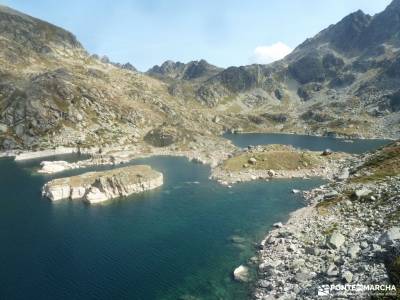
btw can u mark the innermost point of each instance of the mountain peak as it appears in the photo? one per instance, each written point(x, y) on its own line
point(394, 5)
point(344, 36)
point(178, 70)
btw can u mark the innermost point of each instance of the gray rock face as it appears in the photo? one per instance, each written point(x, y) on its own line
point(308, 69)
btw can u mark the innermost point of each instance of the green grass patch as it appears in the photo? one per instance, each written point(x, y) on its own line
point(384, 163)
point(275, 157)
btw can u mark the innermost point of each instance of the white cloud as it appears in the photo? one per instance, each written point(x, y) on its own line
point(271, 53)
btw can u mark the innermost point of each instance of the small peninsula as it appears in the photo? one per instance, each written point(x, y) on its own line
point(277, 161)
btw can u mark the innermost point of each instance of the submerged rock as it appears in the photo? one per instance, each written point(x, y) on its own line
point(237, 239)
point(95, 187)
point(49, 167)
point(241, 274)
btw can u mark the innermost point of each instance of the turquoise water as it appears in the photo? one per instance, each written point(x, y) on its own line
point(171, 243)
point(314, 143)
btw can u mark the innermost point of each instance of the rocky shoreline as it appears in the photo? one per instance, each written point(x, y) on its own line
point(44, 153)
point(326, 169)
point(208, 151)
point(348, 235)
point(336, 135)
point(228, 178)
point(97, 187)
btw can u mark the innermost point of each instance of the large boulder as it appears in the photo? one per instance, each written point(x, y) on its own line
point(335, 240)
point(389, 236)
point(363, 192)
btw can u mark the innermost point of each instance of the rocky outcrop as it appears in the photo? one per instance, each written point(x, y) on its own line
point(191, 70)
point(96, 187)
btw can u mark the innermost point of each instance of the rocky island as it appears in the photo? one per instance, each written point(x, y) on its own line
point(96, 187)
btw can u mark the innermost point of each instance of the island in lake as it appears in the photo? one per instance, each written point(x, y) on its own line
point(96, 187)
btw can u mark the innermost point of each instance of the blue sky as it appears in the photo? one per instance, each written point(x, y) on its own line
point(224, 32)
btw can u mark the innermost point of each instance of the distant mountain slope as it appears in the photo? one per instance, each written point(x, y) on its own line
point(343, 80)
point(53, 93)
